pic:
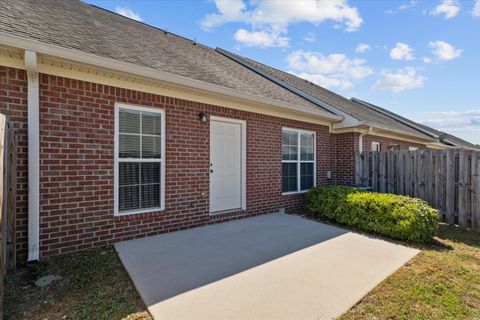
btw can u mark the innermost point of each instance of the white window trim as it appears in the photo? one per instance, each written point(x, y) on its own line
point(116, 162)
point(411, 148)
point(372, 148)
point(298, 161)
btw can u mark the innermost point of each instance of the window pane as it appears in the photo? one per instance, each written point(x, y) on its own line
point(128, 198)
point(128, 173)
point(306, 176)
point(151, 123)
point(289, 177)
point(151, 195)
point(307, 147)
point(150, 172)
point(129, 146)
point(129, 121)
point(289, 145)
point(151, 147)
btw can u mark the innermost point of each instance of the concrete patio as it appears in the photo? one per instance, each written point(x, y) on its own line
point(274, 266)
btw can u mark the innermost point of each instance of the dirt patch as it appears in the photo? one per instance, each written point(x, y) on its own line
point(91, 285)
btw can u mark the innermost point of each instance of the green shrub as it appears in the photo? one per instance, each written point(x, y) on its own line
point(399, 217)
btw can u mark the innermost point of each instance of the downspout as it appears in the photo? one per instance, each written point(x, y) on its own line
point(33, 156)
point(360, 138)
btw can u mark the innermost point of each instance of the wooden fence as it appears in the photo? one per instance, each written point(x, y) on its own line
point(447, 179)
point(8, 181)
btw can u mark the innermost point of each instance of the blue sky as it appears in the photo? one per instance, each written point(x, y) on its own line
point(420, 59)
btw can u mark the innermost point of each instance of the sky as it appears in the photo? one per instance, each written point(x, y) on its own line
point(420, 59)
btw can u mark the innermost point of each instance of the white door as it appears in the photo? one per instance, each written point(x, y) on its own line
point(225, 165)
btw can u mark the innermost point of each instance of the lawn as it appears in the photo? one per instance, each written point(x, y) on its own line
point(93, 285)
point(442, 282)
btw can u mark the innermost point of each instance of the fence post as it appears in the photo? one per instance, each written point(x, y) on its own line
point(439, 195)
point(475, 192)
point(11, 199)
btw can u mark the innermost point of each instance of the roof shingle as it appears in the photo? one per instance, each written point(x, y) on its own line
point(79, 26)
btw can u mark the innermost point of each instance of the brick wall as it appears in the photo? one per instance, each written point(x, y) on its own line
point(77, 163)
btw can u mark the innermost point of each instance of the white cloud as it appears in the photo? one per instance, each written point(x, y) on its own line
point(278, 14)
point(464, 123)
point(402, 51)
point(449, 8)
point(274, 16)
point(128, 13)
point(362, 47)
point(325, 81)
point(399, 80)
point(471, 112)
point(444, 51)
point(334, 70)
point(310, 37)
point(261, 39)
point(410, 4)
point(476, 9)
point(427, 60)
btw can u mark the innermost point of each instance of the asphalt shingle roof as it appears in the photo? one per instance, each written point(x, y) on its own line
point(354, 109)
point(76, 25)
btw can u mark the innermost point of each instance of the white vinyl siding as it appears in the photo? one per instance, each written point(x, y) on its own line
point(139, 159)
point(298, 160)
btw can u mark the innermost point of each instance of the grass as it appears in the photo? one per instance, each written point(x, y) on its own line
point(442, 282)
point(93, 285)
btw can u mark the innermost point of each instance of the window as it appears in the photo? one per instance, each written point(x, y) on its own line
point(412, 148)
point(393, 147)
point(139, 159)
point(298, 160)
point(375, 146)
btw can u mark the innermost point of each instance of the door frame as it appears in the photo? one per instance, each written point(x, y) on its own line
point(243, 162)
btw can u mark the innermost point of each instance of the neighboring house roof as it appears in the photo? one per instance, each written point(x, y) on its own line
point(444, 137)
point(356, 110)
point(83, 27)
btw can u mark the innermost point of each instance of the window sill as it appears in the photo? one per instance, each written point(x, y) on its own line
point(293, 192)
point(135, 212)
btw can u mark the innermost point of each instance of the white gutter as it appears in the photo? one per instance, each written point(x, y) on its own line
point(360, 138)
point(154, 74)
point(33, 156)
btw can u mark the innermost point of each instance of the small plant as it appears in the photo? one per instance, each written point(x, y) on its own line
point(399, 217)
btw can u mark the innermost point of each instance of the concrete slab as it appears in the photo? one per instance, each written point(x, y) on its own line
point(274, 266)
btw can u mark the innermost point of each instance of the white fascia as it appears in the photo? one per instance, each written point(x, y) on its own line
point(33, 156)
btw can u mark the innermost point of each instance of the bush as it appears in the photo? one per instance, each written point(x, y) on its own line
point(399, 217)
